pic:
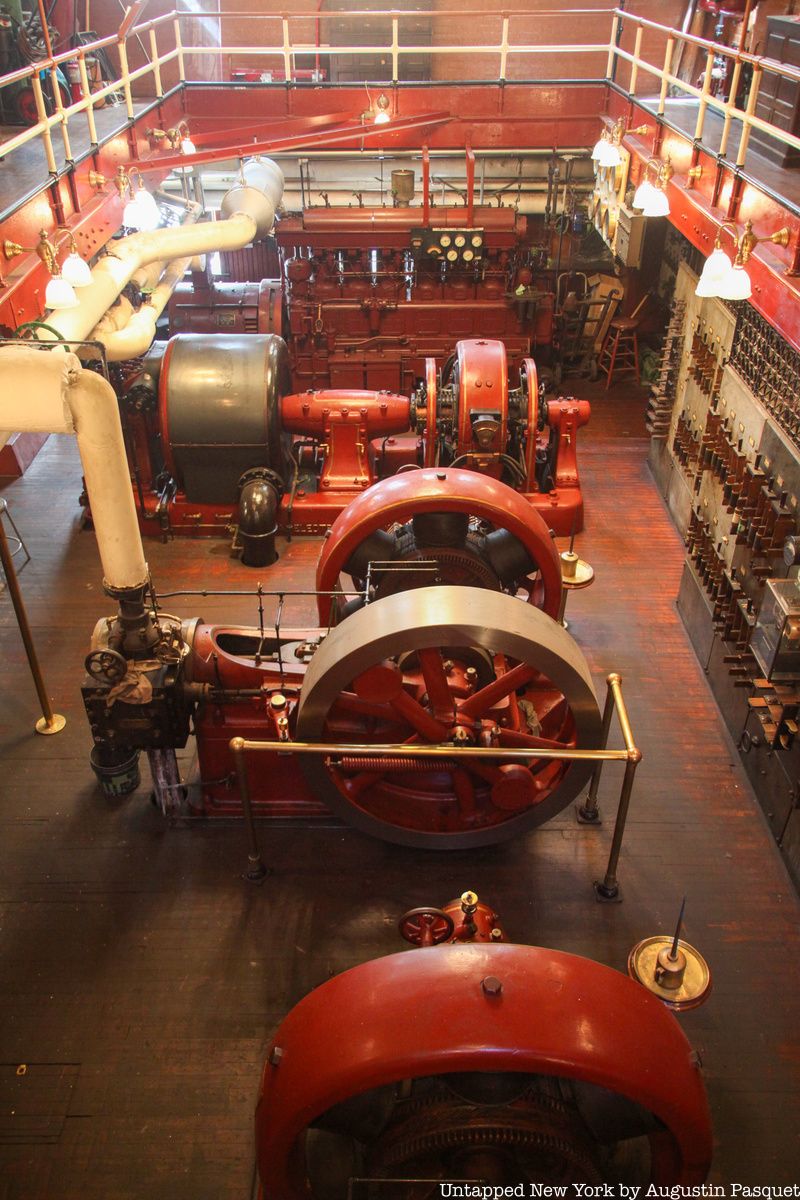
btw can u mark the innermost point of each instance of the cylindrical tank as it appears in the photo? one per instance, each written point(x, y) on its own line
point(403, 187)
point(219, 405)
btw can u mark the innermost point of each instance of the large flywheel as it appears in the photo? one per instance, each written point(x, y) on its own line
point(452, 667)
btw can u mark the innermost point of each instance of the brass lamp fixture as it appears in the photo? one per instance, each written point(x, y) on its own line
point(178, 137)
point(728, 280)
point(64, 277)
point(652, 198)
point(606, 149)
point(141, 210)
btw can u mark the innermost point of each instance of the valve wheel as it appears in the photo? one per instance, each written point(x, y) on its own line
point(106, 666)
point(426, 926)
point(403, 671)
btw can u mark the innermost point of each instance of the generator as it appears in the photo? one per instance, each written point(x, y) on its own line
point(218, 442)
point(470, 1060)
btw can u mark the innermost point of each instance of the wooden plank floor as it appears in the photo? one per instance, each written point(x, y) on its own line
point(135, 957)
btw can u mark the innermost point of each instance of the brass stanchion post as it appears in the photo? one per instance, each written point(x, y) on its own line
point(256, 870)
point(49, 722)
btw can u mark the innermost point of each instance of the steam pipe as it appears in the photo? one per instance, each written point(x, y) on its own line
point(136, 337)
point(249, 210)
point(50, 393)
point(257, 517)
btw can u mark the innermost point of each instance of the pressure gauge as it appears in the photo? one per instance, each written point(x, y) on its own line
point(445, 239)
point(477, 240)
point(460, 240)
point(468, 255)
point(452, 255)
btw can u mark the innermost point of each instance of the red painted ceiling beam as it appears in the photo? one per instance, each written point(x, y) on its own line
point(345, 133)
point(265, 128)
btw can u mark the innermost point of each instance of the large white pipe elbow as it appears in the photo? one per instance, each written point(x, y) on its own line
point(47, 391)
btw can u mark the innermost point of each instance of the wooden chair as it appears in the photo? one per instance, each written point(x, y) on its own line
point(621, 348)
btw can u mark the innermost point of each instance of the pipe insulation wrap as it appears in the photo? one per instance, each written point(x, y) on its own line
point(95, 412)
point(36, 387)
point(46, 391)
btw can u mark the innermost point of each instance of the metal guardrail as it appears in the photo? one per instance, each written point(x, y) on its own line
point(284, 37)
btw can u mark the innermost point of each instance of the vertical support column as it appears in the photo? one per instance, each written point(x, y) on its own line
point(395, 51)
point(608, 887)
point(256, 870)
point(504, 49)
point(156, 63)
point(426, 186)
point(470, 153)
point(287, 50)
point(59, 103)
point(49, 722)
point(126, 78)
point(41, 113)
point(611, 61)
point(637, 53)
point(587, 812)
point(726, 124)
point(705, 93)
point(176, 26)
point(755, 84)
point(665, 71)
point(86, 91)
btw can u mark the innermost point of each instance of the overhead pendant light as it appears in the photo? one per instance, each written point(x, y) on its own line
point(382, 110)
point(598, 147)
point(188, 146)
point(59, 294)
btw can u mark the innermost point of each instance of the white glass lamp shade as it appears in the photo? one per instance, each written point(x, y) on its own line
point(382, 117)
point(188, 146)
point(643, 194)
point(132, 214)
point(736, 285)
point(598, 149)
point(75, 271)
point(716, 268)
point(657, 204)
point(609, 155)
point(60, 294)
point(150, 217)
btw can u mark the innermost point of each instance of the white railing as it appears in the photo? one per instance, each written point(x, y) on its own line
point(285, 39)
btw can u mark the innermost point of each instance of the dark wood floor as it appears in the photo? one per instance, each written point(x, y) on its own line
point(141, 977)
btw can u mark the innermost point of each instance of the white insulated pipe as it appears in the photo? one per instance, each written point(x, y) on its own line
point(136, 336)
point(49, 392)
point(249, 210)
point(250, 214)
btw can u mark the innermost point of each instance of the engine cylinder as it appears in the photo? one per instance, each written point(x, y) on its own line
point(219, 402)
